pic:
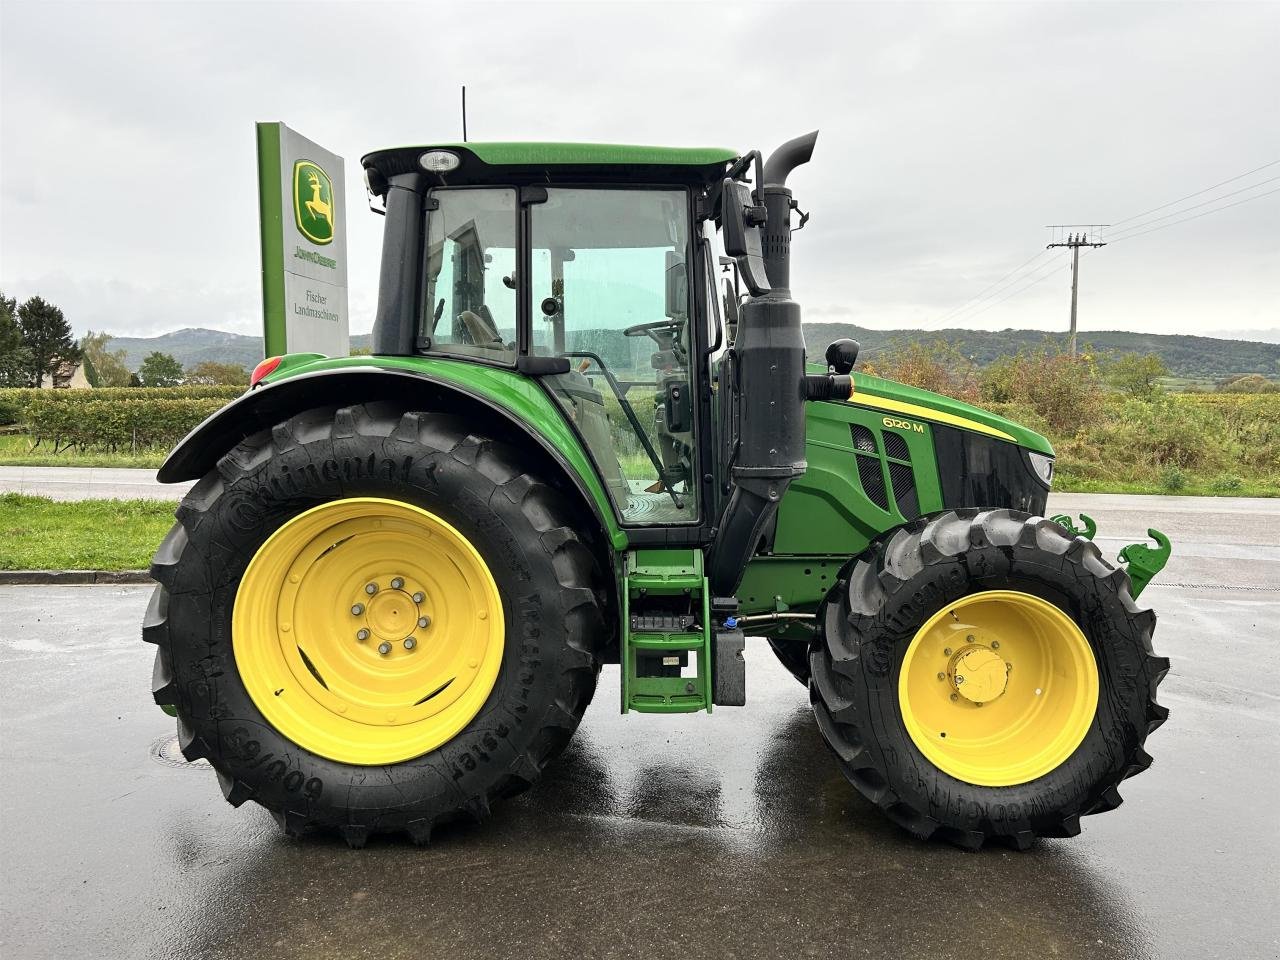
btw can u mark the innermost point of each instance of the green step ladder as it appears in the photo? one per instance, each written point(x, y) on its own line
point(659, 635)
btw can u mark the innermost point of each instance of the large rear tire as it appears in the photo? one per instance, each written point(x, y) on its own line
point(459, 664)
point(985, 675)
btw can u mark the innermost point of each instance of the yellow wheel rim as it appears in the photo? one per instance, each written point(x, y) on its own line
point(368, 631)
point(998, 688)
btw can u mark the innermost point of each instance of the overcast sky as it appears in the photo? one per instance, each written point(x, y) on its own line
point(951, 134)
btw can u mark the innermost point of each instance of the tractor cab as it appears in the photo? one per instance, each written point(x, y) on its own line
point(586, 271)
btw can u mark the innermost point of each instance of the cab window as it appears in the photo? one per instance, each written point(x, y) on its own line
point(469, 306)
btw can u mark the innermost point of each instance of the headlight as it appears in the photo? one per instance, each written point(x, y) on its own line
point(1043, 466)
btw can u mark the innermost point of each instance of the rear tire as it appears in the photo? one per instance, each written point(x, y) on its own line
point(869, 621)
point(547, 578)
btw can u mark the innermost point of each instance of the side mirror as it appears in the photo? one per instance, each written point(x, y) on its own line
point(740, 221)
point(842, 355)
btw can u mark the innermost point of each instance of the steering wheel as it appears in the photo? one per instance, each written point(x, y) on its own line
point(650, 330)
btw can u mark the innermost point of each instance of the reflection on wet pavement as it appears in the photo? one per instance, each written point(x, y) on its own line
point(724, 836)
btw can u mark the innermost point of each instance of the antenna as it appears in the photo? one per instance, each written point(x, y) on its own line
point(464, 113)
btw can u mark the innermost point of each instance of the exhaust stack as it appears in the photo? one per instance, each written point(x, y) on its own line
point(769, 386)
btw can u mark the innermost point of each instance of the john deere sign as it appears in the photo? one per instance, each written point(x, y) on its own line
point(304, 244)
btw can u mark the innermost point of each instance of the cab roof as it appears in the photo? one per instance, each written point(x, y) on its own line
point(487, 162)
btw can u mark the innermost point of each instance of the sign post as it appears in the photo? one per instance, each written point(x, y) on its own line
point(302, 210)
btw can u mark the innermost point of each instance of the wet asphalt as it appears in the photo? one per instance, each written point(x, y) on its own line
point(724, 836)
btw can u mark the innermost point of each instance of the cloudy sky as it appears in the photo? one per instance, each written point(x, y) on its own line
point(951, 134)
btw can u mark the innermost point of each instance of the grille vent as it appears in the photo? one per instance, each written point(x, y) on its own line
point(863, 439)
point(870, 473)
point(897, 456)
point(896, 447)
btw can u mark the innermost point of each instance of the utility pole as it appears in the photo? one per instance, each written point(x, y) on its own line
point(1075, 241)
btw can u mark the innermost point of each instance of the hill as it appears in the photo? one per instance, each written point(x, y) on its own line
point(1185, 356)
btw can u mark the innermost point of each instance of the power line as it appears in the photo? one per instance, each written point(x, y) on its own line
point(1196, 206)
point(1140, 233)
point(1197, 193)
point(1025, 276)
point(981, 295)
point(1010, 296)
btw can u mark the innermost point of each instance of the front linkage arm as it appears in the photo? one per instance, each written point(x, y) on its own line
point(1142, 562)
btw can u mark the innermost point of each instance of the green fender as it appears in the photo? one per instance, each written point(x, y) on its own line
point(305, 381)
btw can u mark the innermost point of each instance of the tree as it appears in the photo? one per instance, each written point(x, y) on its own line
point(1137, 375)
point(160, 370)
point(110, 365)
point(15, 359)
point(47, 337)
point(210, 372)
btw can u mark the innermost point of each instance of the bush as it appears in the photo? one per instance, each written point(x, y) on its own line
point(1063, 390)
point(1172, 480)
point(115, 424)
point(935, 366)
point(1227, 483)
point(15, 401)
point(1250, 383)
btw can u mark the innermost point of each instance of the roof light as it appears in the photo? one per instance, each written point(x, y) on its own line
point(264, 368)
point(439, 161)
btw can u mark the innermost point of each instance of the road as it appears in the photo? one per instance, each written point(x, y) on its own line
point(724, 836)
point(89, 483)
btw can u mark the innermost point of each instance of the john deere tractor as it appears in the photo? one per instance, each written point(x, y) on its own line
point(588, 434)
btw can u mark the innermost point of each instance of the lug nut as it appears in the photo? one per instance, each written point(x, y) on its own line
point(419, 597)
point(955, 696)
point(424, 621)
point(410, 643)
point(362, 634)
point(357, 609)
point(397, 583)
point(995, 644)
point(946, 652)
point(942, 676)
point(384, 648)
point(371, 588)
point(969, 638)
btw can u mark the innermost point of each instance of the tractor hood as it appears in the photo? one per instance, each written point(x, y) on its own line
point(912, 402)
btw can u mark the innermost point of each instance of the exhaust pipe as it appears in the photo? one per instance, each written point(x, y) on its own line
point(770, 389)
point(776, 198)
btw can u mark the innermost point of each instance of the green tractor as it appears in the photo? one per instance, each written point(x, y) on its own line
point(588, 434)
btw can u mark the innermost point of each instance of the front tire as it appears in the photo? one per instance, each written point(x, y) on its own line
point(418, 709)
point(1061, 678)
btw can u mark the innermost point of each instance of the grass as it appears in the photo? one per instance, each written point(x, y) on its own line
point(41, 534)
point(16, 450)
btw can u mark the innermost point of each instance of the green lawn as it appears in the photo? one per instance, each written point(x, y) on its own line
point(16, 451)
point(41, 534)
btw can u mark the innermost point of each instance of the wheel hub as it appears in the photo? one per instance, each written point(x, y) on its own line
point(393, 615)
point(979, 674)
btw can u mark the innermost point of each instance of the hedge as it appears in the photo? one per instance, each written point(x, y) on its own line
point(15, 401)
point(115, 418)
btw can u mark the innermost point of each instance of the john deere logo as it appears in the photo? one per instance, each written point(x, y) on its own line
point(312, 202)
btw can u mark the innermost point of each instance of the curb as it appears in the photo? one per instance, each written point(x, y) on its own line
point(73, 576)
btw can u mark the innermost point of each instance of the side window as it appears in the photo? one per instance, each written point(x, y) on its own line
point(469, 307)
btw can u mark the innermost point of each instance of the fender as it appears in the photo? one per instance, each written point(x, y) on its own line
point(524, 413)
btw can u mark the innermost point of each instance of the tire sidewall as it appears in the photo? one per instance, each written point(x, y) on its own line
point(872, 684)
point(243, 746)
